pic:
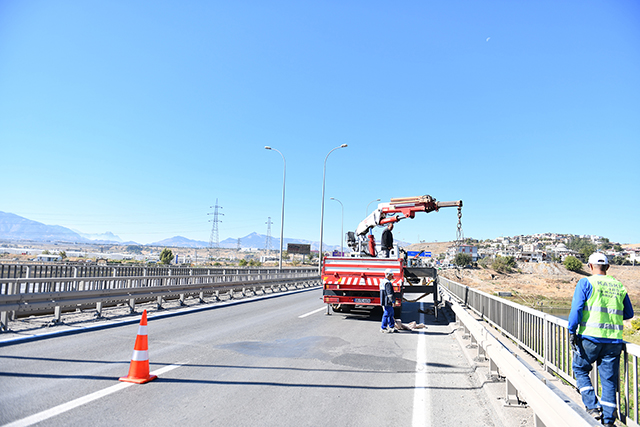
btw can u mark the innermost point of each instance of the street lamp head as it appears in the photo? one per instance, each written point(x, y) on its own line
point(343, 146)
point(266, 147)
point(332, 198)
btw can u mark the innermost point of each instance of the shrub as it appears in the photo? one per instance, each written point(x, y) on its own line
point(503, 264)
point(462, 260)
point(572, 263)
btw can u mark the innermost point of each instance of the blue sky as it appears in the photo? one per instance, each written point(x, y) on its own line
point(134, 117)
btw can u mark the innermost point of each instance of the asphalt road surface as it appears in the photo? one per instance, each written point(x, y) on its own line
point(273, 362)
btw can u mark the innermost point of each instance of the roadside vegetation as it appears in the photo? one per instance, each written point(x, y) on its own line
point(572, 263)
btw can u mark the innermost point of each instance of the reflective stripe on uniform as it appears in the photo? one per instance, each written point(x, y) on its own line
point(611, 311)
point(602, 326)
point(611, 405)
point(587, 388)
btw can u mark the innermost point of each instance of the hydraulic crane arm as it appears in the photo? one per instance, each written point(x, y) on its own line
point(402, 208)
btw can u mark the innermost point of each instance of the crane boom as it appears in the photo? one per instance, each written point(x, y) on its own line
point(402, 208)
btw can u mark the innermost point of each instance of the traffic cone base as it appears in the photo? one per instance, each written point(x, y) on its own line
point(139, 368)
point(138, 380)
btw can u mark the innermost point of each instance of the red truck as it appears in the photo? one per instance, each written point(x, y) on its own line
point(355, 280)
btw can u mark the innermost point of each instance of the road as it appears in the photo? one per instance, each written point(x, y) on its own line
point(272, 362)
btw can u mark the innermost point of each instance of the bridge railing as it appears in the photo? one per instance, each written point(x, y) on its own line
point(21, 296)
point(546, 337)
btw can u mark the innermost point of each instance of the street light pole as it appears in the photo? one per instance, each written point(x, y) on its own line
point(284, 177)
point(324, 173)
point(341, 227)
point(367, 214)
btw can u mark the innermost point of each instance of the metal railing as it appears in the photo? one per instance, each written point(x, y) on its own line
point(546, 337)
point(21, 296)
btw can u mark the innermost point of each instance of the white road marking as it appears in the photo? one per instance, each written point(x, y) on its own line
point(421, 395)
point(57, 410)
point(311, 312)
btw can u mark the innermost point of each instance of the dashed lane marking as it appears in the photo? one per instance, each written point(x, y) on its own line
point(311, 312)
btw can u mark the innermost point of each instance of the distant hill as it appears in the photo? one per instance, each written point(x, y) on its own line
point(253, 240)
point(14, 227)
point(180, 242)
point(101, 237)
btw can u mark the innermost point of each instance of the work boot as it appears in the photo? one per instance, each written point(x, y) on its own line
point(595, 413)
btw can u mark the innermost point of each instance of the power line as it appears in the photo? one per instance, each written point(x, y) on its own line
point(214, 239)
point(267, 243)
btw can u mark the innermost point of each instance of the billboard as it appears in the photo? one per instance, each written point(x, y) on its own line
point(298, 248)
point(422, 254)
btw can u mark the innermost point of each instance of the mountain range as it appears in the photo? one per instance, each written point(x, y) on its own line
point(14, 227)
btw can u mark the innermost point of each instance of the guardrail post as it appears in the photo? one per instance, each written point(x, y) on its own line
point(99, 309)
point(4, 321)
point(512, 394)
point(546, 344)
point(494, 371)
point(201, 297)
point(57, 314)
point(181, 300)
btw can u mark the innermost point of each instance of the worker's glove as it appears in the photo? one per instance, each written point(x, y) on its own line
point(573, 342)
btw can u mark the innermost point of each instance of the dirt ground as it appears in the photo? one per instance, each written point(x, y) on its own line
point(549, 283)
point(533, 282)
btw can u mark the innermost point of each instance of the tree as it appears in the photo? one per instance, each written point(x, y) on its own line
point(582, 245)
point(462, 260)
point(620, 260)
point(63, 254)
point(166, 256)
point(503, 264)
point(605, 244)
point(572, 263)
point(243, 262)
point(134, 249)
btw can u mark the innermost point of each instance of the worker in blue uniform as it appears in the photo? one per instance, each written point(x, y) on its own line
point(386, 301)
point(600, 304)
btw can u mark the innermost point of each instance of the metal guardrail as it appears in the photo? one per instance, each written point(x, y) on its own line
point(546, 337)
point(23, 296)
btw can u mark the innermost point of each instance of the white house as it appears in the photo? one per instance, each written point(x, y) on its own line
point(49, 257)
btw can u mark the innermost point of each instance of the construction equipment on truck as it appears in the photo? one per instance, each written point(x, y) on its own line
point(355, 280)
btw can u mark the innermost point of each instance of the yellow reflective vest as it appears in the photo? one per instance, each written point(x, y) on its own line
point(603, 311)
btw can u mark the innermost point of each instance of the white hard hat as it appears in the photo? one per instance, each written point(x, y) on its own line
point(598, 258)
point(388, 271)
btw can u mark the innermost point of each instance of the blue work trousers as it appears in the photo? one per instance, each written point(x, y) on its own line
point(387, 317)
point(608, 358)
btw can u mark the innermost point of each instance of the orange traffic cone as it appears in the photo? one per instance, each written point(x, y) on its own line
point(139, 368)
